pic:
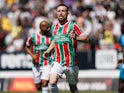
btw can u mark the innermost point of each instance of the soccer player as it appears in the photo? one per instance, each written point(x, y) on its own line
point(65, 36)
point(40, 42)
point(121, 63)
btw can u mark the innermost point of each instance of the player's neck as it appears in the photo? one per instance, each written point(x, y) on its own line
point(62, 22)
point(42, 33)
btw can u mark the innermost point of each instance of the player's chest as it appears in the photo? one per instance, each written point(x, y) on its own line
point(41, 42)
point(62, 30)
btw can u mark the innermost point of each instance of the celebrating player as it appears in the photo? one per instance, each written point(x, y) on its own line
point(65, 36)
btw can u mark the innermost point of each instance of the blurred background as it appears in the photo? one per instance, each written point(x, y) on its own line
point(97, 59)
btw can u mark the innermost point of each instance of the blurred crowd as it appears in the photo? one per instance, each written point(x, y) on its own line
point(20, 18)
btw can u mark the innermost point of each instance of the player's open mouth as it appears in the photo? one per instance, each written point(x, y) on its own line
point(60, 17)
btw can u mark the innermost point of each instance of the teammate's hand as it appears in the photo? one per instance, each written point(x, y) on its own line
point(45, 55)
point(72, 35)
point(34, 57)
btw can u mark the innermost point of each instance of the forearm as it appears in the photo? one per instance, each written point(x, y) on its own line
point(27, 49)
point(82, 38)
point(51, 47)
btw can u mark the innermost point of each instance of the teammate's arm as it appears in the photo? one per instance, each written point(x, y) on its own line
point(47, 52)
point(27, 49)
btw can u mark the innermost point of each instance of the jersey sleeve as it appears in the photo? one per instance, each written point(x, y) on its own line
point(29, 41)
point(77, 30)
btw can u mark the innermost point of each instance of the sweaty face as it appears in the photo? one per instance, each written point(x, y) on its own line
point(62, 13)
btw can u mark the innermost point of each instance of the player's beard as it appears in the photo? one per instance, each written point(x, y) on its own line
point(45, 32)
point(63, 20)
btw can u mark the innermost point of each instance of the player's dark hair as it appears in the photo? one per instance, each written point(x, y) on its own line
point(63, 5)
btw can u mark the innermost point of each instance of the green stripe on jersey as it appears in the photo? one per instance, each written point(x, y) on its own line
point(62, 54)
point(60, 45)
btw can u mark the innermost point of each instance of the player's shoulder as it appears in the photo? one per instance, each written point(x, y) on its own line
point(53, 25)
point(72, 23)
point(33, 35)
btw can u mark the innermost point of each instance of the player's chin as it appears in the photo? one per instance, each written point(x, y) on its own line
point(61, 19)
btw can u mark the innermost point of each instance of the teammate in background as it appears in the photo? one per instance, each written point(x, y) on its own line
point(40, 42)
point(121, 63)
point(65, 36)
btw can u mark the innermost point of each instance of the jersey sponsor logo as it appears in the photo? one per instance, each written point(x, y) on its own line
point(41, 47)
point(61, 38)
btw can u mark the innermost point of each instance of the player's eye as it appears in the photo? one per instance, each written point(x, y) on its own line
point(61, 10)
